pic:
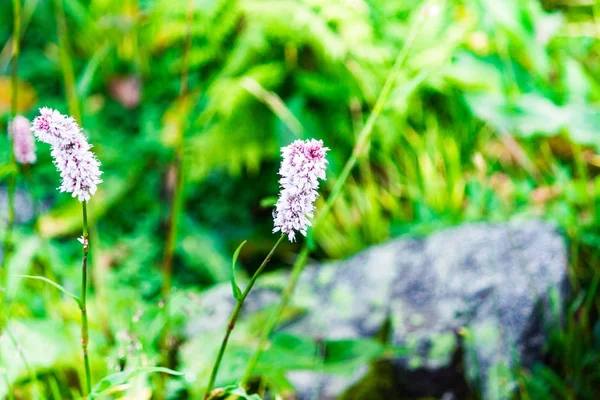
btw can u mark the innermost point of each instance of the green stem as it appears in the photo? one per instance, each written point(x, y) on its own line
point(361, 144)
point(75, 111)
point(12, 178)
point(83, 303)
point(276, 314)
point(14, 84)
point(177, 197)
point(176, 206)
point(7, 245)
point(66, 63)
point(234, 316)
point(15, 59)
point(32, 192)
point(172, 228)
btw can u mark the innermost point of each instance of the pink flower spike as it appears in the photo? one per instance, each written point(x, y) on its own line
point(54, 128)
point(78, 167)
point(303, 165)
point(23, 142)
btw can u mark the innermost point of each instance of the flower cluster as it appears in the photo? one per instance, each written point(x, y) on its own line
point(23, 142)
point(79, 168)
point(303, 165)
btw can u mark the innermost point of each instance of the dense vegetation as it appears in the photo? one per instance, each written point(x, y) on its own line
point(495, 116)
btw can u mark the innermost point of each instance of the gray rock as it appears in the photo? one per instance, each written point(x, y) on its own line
point(467, 304)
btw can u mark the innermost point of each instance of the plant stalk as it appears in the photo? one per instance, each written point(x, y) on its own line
point(8, 239)
point(83, 304)
point(14, 103)
point(233, 319)
point(175, 206)
point(176, 167)
point(66, 63)
point(361, 144)
point(14, 84)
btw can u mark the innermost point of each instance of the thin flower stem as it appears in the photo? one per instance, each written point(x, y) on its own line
point(175, 208)
point(12, 178)
point(83, 304)
point(8, 240)
point(234, 316)
point(14, 103)
point(67, 63)
point(32, 192)
point(176, 168)
point(361, 144)
point(75, 110)
point(276, 314)
point(171, 240)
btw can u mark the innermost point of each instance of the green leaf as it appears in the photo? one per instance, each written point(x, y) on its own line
point(291, 352)
point(26, 249)
point(66, 218)
point(203, 251)
point(119, 378)
point(240, 392)
point(348, 354)
point(268, 202)
point(85, 80)
point(7, 170)
point(56, 285)
point(310, 241)
point(237, 293)
point(40, 345)
point(532, 114)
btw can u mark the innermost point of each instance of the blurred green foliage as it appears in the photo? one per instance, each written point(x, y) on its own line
point(496, 116)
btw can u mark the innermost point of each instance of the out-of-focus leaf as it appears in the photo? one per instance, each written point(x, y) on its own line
point(66, 218)
point(239, 391)
point(19, 263)
point(203, 251)
point(85, 80)
point(25, 101)
point(229, 94)
point(345, 355)
point(472, 73)
point(45, 344)
point(290, 352)
point(174, 120)
point(237, 293)
point(52, 283)
point(119, 378)
point(274, 102)
point(531, 114)
point(7, 170)
point(268, 202)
